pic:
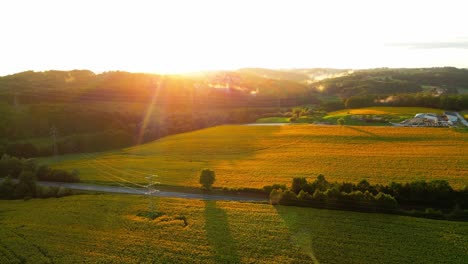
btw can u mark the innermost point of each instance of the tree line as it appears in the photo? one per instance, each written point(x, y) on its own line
point(18, 179)
point(385, 81)
point(449, 102)
point(437, 197)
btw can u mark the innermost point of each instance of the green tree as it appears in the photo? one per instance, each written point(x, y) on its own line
point(340, 121)
point(298, 184)
point(26, 186)
point(207, 178)
point(7, 188)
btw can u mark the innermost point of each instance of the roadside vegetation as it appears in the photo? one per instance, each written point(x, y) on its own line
point(436, 198)
point(18, 179)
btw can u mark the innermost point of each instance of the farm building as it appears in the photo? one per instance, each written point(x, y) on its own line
point(429, 116)
point(431, 120)
point(451, 116)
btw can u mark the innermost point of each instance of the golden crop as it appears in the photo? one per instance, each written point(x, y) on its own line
point(106, 229)
point(255, 156)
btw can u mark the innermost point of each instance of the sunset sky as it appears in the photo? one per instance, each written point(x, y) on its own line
point(181, 36)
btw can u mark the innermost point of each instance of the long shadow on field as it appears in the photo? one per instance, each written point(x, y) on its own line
point(373, 135)
point(401, 138)
point(301, 235)
point(219, 235)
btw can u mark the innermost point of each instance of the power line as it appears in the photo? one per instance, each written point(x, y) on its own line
point(150, 191)
point(110, 167)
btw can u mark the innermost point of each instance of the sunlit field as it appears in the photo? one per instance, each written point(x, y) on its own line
point(106, 229)
point(255, 156)
point(380, 110)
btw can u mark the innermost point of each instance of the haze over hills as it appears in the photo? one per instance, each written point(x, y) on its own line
point(343, 82)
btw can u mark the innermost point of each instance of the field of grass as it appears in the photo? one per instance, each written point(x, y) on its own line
point(255, 156)
point(380, 110)
point(393, 114)
point(106, 229)
point(273, 120)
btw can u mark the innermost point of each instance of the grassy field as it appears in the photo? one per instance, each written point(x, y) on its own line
point(380, 110)
point(106, 229)
point(255, 156)
point(273, 120)
point(394, 114)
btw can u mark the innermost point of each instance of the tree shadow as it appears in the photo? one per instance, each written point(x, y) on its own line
point(394, 138)
point(300, 236)
point(373, 135)
point(219, 235)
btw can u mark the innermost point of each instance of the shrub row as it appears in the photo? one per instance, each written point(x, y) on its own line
point(333, 198)
point(366, 197)
point(26, 188)
point(13, 167)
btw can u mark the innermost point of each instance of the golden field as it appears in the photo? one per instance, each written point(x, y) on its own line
point(255, 156)
point(107, 229)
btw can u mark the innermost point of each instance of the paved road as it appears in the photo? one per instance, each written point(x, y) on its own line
point(462, 120)
point(115, 189)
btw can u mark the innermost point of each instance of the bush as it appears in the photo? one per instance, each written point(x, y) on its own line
point(298, 184)
point(386, 201)
point(26, 186)
point(305, 196)
point(62, 191)
point(340, 121)
point(276, 186)
point(45, 174)
point(275, 196)
point(10, 166)
point(45, 191)
point(288, 198)
point(7, 189)
point(319, 196)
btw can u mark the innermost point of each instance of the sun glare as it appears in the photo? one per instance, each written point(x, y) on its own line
point(186, 36)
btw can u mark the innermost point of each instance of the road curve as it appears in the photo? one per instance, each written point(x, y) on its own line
point(115, 189)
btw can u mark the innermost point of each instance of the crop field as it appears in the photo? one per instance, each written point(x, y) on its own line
point(380, 110)
point(107, 229)
point(255, 156)
point(392, 114)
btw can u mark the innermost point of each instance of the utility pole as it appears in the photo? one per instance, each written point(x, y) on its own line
point(150, 191)
point(53, 135)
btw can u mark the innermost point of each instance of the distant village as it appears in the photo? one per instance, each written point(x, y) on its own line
point(447, 119)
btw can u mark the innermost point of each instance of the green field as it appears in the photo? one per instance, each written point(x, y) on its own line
point(393, 114)
point(106, 229)
point(255, 156)
point(273, 120)
point(381, 110)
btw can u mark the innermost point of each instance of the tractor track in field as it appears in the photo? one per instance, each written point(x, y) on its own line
point(43, 252)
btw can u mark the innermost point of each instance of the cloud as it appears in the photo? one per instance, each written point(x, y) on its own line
point(461, 44)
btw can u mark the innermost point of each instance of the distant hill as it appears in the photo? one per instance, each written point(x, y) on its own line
point(386, 81)
point(297, 75)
